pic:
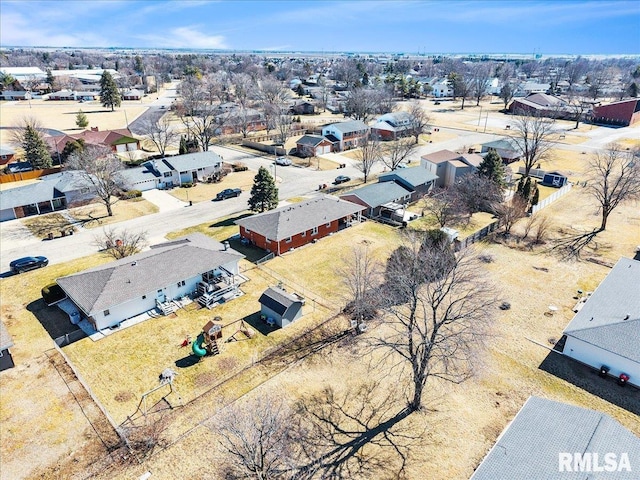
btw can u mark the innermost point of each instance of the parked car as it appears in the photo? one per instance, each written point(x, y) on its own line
point(341, 179)
point(228, 193)
point(28, 263)
point(284, 161)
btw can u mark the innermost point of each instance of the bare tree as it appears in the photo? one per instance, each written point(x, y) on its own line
point(160, 132)
point(420, 119)
point(256, 438)
point(283, 120)
point(476, 194)
point(271, 95)
point(396, 152)
point(438, 315)
point(444, 206)
point(614, 179)
point(101, 170)
point(362, 104)
point(507, 91)
point(510, 212)
point(533, 138)
point(480, 74)
point(368, 155)
point(360, 275)
point(577, 106)
point(121, 243)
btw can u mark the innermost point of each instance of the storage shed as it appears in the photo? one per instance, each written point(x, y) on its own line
point(6, 361)
point(554, 179)
point(280, 306)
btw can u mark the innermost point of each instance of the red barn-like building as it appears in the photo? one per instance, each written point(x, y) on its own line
point(623, 113)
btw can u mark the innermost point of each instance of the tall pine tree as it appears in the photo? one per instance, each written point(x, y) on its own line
point(81, 119)
point(109, 94)
point(264, 193)
point(183, 146)
point(35, 149)
point(493, 168)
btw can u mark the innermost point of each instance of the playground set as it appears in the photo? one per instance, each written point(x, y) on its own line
point(206, 342)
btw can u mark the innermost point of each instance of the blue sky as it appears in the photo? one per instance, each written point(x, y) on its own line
point(464, 26)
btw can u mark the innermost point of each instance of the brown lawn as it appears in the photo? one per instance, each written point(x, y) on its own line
point(95, 215)
point(205, 192)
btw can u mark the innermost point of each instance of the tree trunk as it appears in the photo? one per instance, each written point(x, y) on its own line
point(109, 209)
point(605, 217)
point(416, 401)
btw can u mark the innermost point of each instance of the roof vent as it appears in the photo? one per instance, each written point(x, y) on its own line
point(133, 264)
point(626, 317)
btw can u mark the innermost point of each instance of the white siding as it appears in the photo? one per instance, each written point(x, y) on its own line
point(596, 357)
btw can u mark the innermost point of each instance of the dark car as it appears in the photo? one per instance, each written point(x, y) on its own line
point(341, 179)
point(28, 263)
point(228, 193)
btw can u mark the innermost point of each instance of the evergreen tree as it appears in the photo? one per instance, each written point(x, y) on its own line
point(300, 90)
point(535, 198)
point(109, 94)
point(492, 168)
point(81, 120)
point(365, 79)
point(35, 149)
point(264, 193)
point(183, 146)
point(633, 90)
point(70, 148)
point(526, 189)
point(50, 79)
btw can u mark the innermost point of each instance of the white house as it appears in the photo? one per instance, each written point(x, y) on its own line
point(173, 171)
point(606, 330)
point(442, 89)
point(111, 293)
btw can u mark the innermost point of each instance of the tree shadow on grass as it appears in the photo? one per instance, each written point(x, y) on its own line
point(229, 222)
point(587, 379)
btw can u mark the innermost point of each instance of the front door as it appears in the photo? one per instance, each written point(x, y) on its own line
point(160, 296)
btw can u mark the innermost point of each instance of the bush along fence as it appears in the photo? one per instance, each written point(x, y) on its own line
point(551, 198)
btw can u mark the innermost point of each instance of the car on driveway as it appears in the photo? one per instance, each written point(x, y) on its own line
point(228, 193)
point(284, 161)
point(28, 263)
point(341, 179)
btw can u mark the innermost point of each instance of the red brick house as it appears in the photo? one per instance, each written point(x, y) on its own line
point(313, 145)
point(623, 113)
point(120, 140)
point(285, 228)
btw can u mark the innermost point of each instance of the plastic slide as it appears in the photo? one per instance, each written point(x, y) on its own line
point(197, 347)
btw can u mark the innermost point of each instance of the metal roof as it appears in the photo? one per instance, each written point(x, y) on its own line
point(412, 177)
point(601, 320)
point(290, 220)
point(378, 194)
point(529, 448)
point(115, 283)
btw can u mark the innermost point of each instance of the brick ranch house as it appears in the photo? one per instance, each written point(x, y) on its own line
point(292, 226)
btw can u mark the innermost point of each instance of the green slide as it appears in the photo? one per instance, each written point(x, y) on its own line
point(197, 347)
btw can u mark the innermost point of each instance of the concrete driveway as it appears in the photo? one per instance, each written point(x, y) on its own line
point(164, 201)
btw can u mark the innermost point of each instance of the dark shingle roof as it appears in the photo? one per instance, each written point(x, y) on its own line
point(43, 190)
point(117, 282)
point(600, 321)
point(277, 300)
point(313, 140)
point(379, 193)
point(529, 448)
point(284, 222)
point(413, 177)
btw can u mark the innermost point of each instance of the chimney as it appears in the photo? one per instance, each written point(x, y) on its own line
point(94, 129)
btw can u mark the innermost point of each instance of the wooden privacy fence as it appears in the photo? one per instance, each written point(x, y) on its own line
point(551, 198)
point(17, 177)
point(476, 236)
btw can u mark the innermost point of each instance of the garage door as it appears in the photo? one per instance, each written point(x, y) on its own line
point(325, 149)
point(121, 148)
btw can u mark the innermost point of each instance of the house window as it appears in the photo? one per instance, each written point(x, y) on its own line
point(160, 291)
point(303, 234)
point(106, 313)
point(181, 284)
point(144, 296)
point(314, 231)
point(201, 169)
point(288, 240)
point(166, 174)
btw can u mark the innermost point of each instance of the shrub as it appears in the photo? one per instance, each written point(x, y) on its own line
point(131, 194)
point(240, 167)
point(187, 185)
point(52, 293)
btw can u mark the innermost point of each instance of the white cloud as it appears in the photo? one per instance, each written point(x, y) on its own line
point(184, 37)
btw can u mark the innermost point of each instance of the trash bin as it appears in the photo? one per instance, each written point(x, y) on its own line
point(50, 235)
point(191, 203)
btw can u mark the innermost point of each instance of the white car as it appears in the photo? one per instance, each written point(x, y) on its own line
point(284, 161)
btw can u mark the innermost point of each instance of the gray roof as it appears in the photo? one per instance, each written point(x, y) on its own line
point(601, 322)
point(350, 126)
point(277, 299)
point(137, 174)
point(284, 222)
point(117, 282)
point(529, 448)
point(379, 193)
point(412, 177)
point(502, 144)
point(5, 338)
point(186, 162)
point(43, 190)
point(5, 150)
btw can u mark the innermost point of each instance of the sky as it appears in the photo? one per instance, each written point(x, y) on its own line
point(575, 27)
